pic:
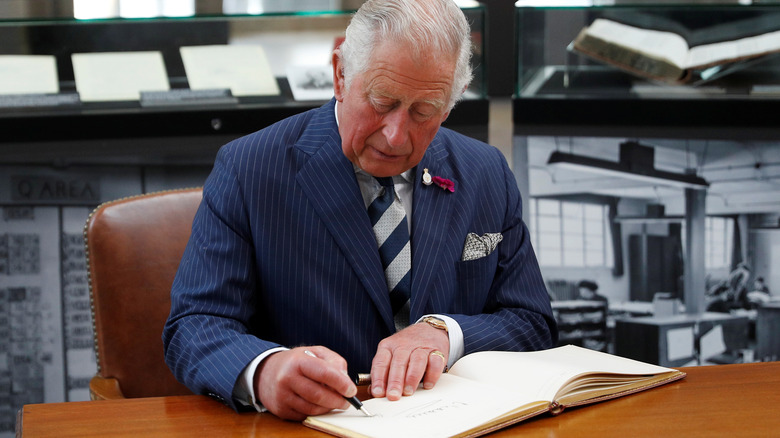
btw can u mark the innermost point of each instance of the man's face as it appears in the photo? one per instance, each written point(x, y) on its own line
point(390, 114)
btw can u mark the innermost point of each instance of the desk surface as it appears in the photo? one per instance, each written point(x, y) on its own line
point(728, 400)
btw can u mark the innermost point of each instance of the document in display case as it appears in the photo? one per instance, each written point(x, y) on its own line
point(118, 76)
point(28, 74)
point(310, 82)
point(243, 69)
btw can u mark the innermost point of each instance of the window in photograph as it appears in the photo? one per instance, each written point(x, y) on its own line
point(570, 234)
point(718, 241)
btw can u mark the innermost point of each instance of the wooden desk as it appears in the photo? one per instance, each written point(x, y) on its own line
point(723, 400)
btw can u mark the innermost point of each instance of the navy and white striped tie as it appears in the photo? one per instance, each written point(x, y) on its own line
point(388, 218)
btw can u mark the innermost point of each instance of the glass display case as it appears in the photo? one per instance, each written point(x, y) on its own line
point(66, 70)
point(591, 125)
point(563, 89)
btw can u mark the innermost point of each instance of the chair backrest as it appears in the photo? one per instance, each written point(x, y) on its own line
point(134, 246)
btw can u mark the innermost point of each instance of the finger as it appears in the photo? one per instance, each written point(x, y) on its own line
point(329, 356)
point(437, 363)
point(297, 407)
point(396, 377)
point(345, 386)
point(332, 374)
point(311, 397)
point(283, 389)
point(418, 362)
point(380, 367)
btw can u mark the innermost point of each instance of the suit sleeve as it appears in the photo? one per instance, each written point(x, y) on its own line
point(206, 340)
point(517, 315)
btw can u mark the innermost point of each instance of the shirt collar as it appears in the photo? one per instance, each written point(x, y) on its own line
point(407, 176)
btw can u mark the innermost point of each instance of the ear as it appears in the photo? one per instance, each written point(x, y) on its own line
point(444, 117)
point(338, 75)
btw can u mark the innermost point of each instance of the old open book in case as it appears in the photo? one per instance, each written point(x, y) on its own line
point(674, 56)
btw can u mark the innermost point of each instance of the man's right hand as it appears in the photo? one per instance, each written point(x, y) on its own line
point(293, 384)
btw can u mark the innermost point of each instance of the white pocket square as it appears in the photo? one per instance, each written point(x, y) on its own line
point(480, 246)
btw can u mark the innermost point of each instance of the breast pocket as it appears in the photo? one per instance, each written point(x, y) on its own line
point(475, 277)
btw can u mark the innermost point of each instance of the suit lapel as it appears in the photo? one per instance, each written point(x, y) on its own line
point(431, 225)
point(328, 180)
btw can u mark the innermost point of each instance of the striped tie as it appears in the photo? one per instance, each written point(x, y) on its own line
point(388, 218)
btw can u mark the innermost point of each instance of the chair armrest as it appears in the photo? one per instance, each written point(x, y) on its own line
point(104, 388)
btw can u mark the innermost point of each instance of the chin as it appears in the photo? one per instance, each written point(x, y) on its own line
point(383, 169)
point(382, 172)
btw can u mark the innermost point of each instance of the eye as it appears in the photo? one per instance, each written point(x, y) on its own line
point(382, 105)
point(423, 112)
point(420, 117)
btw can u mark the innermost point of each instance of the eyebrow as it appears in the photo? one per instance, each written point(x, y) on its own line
point(438, 104)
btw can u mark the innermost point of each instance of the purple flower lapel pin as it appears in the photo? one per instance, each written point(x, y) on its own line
point(444, 183)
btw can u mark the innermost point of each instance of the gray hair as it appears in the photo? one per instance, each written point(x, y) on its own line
point(427, 25)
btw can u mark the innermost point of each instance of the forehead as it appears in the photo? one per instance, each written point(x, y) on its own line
point(396, 72)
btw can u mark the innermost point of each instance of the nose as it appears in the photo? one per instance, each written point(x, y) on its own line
point(396, 128)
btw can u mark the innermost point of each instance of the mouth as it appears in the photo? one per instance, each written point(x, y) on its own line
point(384, 156)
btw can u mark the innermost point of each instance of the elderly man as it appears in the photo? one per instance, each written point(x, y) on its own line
point(336, 228)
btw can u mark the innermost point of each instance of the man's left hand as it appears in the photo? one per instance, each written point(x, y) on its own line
point(418, 353)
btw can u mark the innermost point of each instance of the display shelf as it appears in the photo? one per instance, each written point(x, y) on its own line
point(297, 38)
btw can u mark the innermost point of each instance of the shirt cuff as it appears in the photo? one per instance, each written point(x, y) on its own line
point(456, 338)
point(245, 393)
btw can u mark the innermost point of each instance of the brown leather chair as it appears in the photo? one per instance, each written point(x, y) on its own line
point(134, 246)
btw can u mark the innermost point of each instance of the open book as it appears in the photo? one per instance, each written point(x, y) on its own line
point(486, 391)
point(665, 56)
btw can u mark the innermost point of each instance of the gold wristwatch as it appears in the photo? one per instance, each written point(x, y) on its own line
point(436, 323)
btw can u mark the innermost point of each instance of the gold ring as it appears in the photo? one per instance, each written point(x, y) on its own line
point(441, 355)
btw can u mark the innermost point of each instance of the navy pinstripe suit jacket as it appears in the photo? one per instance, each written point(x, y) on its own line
point(282, 253)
